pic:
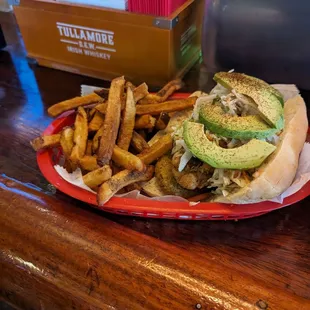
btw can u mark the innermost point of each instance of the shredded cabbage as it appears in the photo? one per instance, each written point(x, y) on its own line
point(227, 180)
point(199, 104)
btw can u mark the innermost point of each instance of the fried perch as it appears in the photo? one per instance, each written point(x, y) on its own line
point(73, 103)
point(128, 122)
point(88, 163)
point(124, 178)
point(145, 122)
point(157, 150)
point(138, 142)
point(44, 142)
point(166, 107)
point(96, 122)
point(163, 173)
point(111, 121)
point(127, 160)
point(98, 176)
point(80, 136)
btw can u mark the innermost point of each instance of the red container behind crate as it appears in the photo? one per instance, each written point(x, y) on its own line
point(155, 7)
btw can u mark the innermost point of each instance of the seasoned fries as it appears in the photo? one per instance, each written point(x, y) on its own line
point(138, 142)
point(162, 121)
point(88, 163)
point(140, 92)
point(128, 121)
point(80, 136)
point(96, 140)
point(89, 148)
point(102, 107)
point(111, 121)
point(119, 135)
point(44, 142)
point(166, 107)
point(98, 176)
point(169, 89)
point(96, 122)
point(127, 160)
point(163, 94)
point(73, 103)
point(157, 150)
point(120, 180)
point(145, 122)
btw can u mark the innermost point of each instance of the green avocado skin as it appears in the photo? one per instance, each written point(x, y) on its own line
point(247, 156)
point(268, 99)
point(230, 126)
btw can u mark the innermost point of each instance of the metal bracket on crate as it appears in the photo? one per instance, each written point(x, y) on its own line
point(164, 23)
point(13, 2)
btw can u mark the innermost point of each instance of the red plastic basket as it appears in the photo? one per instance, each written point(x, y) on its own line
point(156, 209)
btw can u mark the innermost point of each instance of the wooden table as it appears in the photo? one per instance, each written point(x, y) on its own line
point(58, 253)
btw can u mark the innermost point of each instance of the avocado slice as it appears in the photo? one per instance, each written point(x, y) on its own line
point(230, 126)
point(269, 101)
point(247, 156)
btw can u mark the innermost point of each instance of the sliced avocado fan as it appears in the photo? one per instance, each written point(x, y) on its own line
point(247, 156)
point(269, 101)
point(231, 126)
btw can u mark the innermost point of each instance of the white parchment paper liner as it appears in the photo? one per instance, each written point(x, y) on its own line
point(301, 178)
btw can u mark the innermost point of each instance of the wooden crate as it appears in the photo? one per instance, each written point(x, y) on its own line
point(106, 43)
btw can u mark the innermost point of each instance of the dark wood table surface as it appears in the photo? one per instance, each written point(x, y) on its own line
point(59, 253)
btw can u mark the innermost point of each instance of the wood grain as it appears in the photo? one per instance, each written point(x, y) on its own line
point(72, 260)
point(58, 253)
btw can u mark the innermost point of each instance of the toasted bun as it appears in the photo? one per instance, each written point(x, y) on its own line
point(278, 172)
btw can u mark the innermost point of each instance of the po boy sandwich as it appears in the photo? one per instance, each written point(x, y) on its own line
point(241, 143)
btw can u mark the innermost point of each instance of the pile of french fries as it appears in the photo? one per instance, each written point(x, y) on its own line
point(108, 140)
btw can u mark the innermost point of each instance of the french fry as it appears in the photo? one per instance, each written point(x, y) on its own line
point(44, 142)
point(128, 122)
point(80, 136)
point(88, 163)
point(162, 121)
point(89, 148)
point(140, 92)
point(96, 140)
point(111, 121)
point(120, 180)
point(169, 89)
point(66, 141)
point(91, 113)
point(101, 107)
point(103, 92)
point(96, 122)
point(127, 160)
point(98, 176)
point(166, 107)
point(138, 142)
point(145, 122)
point(73, 103)
point(157, 150)
point(163, 94)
